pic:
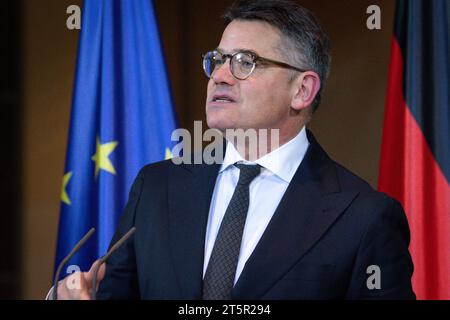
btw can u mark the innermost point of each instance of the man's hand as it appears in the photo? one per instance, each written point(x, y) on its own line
point(78, 285)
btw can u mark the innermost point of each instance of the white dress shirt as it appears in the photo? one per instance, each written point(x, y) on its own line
point(266, 191)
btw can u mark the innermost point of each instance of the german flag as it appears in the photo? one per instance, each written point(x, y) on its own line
point(415, 153)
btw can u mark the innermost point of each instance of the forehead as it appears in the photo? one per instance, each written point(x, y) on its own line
point(256, 36)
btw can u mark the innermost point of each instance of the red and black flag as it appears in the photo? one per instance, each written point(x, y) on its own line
point(415, 155)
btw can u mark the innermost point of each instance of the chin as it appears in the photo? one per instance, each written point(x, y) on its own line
point(219, 121)
point(219, 124)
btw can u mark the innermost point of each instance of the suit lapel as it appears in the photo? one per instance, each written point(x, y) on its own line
point(312, 202)
point(189, 196)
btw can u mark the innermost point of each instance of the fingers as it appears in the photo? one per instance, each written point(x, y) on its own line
point(78, 285)
point(72, 287)
point(89, 276)
point(101, 272)
point(85, 295)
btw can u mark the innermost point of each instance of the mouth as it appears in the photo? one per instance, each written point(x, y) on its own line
point(221, 99)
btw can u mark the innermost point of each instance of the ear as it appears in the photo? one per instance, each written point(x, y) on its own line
point(306, 87)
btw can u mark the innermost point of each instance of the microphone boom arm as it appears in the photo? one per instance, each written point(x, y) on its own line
point(105, 257)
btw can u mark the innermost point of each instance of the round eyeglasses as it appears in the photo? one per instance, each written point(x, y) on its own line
point(242, 63)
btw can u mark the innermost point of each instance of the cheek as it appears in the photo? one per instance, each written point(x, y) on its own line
point(265, 100)
point(209, 89)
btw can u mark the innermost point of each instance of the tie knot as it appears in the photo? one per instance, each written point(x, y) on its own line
point(247, 172)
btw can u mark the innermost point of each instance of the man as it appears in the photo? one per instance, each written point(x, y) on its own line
point(290, 224)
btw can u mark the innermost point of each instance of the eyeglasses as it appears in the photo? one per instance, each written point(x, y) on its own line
point(242, 63)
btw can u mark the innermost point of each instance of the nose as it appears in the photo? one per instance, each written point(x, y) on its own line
point(223, 74)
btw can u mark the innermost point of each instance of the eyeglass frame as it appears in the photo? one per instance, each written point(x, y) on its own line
point(256, 58)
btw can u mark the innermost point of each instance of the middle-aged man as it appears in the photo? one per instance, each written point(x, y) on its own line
point(291, 224)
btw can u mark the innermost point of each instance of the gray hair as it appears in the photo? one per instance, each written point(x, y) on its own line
point(305, 43)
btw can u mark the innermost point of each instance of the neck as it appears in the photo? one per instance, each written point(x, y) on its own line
point(254, 144)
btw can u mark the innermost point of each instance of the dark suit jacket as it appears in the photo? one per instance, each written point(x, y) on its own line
point(329, 227)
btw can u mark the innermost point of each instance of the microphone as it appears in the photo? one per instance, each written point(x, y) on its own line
point(105, 257)
point(67, 258)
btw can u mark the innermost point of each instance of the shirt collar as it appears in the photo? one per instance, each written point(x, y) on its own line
point(283, 162)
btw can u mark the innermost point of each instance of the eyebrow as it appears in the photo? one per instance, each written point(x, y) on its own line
point(238, 50)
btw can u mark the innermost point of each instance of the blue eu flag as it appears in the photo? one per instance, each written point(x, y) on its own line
point(122, 118)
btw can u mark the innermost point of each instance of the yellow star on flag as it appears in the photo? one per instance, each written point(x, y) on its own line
point(64, 195)
point(101, 157)
point(168, 154)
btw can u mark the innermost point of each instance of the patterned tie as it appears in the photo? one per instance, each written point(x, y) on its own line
point(221, 270)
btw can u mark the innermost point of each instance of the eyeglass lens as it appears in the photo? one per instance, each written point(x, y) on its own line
point(241, 64)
